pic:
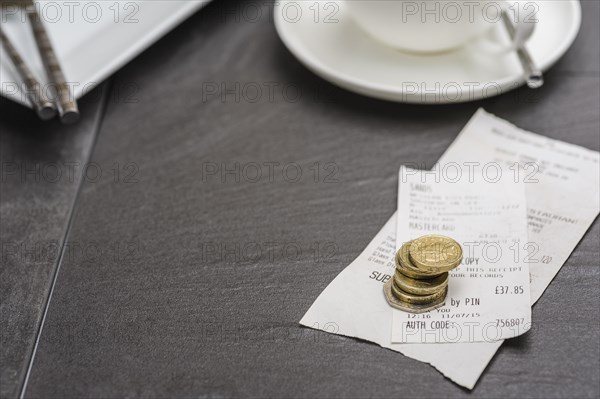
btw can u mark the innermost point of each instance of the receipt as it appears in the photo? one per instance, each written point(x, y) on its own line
point(563, 201)
point(488, 294)
point(562, 185)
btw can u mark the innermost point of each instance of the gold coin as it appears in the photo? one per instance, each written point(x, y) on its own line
point(435, 253)
point(420, 287)
point(405, 266)
point(417, 299)
point(410, 307)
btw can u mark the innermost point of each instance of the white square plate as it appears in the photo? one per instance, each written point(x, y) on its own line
point(92, 39)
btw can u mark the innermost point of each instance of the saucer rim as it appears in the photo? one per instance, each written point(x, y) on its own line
point(395, 93)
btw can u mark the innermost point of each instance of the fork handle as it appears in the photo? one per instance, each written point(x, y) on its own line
point(37, 96)
point(67, 106)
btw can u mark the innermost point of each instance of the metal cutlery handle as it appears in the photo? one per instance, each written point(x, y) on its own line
point(67, 106)
point(533, 75)
point(43, 105)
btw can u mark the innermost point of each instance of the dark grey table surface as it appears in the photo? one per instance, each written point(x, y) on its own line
point(126, 275)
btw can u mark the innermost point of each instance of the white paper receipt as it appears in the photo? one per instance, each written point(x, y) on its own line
point(488, 294)
point(562, 204)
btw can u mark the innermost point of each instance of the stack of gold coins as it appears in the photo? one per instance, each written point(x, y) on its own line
point(420, 282)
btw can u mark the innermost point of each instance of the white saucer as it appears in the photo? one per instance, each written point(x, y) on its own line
point(343, 54)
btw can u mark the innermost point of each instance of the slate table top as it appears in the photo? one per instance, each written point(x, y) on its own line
point(161, 266)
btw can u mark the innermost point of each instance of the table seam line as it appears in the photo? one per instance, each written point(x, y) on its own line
point(96, 127)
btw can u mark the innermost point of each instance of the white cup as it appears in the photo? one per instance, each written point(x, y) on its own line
point(426, 26)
